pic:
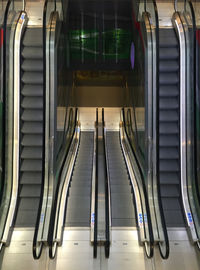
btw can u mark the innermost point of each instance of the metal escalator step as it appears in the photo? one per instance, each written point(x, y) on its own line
point(32, 103)
point(168, 37)
point(169, 128)
point(31, 165)
point(122, 210)
point(168, 116)
point(168, 79)
point(32, 65)
point(169, 103)
point(32, 78)
point(171, 204)
point(169, 53)
point(169, 178)
point(169, 165)
point(169, 153)
point(169, 66)
point(123, 222)
point(169, 140)
point(174, 218)
point(31, 153)
point(32, 90)
point(31, 178)
point(32, 115)
point(78, 200)
point(85, 191)
point(32, 140)
point(32, 128)
point(26, 218)
point(29, 203)
point(170, 191)
point(33, 37)
point(77, 184)
point(78, 216)
point(30, 191)
point(121, 189)
point(32, 52)
point(166, 91)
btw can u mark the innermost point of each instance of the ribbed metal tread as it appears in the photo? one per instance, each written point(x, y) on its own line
point(31, 127)
point(79, 200)
point(122, 208)
point(169, 133)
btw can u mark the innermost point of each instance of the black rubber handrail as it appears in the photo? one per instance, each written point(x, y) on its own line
point(151, 238)
point(107, 204)
point(164, 227)
point(96, 192)
point(52, 253)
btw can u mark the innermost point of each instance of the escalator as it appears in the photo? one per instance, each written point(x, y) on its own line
point(169, 132)
point(31, 131)
point(79, 200)
point(122, 205)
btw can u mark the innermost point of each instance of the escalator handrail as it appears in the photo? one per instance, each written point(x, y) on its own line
point(96, 192)
point(53, 221)
point(151, 238)
point(4, 93)
point(107, 191)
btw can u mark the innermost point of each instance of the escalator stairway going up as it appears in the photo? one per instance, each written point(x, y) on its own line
point(169, 130)
point(79, 200)
point(122, 207)
point(31, 127)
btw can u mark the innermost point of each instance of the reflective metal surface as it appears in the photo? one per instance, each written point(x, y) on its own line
point(15, 89)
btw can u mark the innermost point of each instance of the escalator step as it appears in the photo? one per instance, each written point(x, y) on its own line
point(32, 65)
point(33, 37)
point(121, 189)
point(169, 165)
point(32, 78)
point(169, 128)
point(171, 204)
point(32, 128)
point(31, 165)
point(169, 79)
point(29, 203)
point(168, 116)
point(170, 191)
point(31, 178)
point(80, 191)
point(32, 140)
point(32, 115)
point(169, 66)
point(31, 153)
point(26, 218)
point(165, 91)
point(169, 140)
point(32, 53)
point(32, 90)
point(30, 191)
point(32, 103)
point(169, 178)
point(169, 53)
point(169, 103)
point(169, 153)
point(123, 222)
point(174, 218)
